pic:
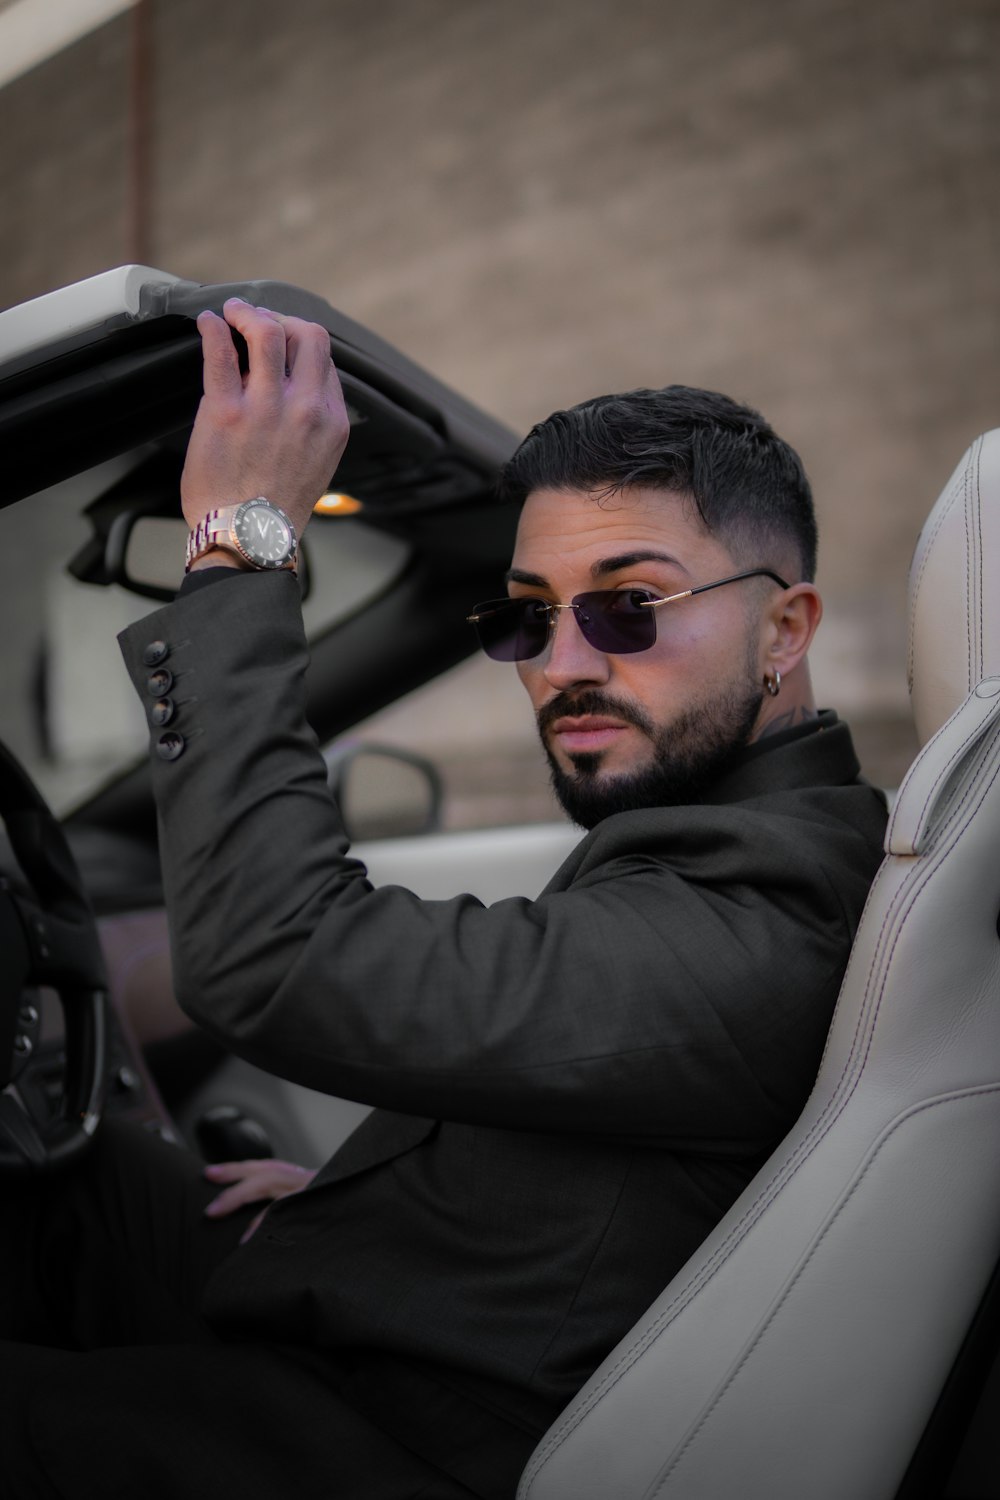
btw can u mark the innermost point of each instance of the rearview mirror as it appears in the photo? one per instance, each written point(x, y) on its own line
point(383, 792)
point(152, 554)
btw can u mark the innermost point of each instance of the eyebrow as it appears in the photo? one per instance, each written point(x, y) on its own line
point(601, 569)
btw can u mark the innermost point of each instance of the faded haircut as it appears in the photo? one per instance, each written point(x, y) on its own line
point(749, 486)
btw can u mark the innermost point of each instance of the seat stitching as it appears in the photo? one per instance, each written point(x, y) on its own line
point(979, 1091)
point(946, 770)
point(946, 508)
point(980, 554)
point(969, 628)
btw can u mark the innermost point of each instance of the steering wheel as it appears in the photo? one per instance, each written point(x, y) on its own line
point(48, 937)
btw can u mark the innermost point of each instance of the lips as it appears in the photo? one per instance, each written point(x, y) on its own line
point(588, 732)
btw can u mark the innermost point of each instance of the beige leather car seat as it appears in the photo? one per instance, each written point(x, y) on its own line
point(801, 1351)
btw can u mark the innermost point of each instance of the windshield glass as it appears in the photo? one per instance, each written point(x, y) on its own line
point(67, 709)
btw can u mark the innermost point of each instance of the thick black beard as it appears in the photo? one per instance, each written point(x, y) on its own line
point(691, 753)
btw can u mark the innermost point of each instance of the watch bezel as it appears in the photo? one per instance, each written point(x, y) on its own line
point(263, 564)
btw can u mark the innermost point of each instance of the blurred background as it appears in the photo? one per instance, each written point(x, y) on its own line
point(792, 201)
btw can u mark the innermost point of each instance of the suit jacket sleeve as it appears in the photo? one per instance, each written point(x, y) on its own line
point(675, 980)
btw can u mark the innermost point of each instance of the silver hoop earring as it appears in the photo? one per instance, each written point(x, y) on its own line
point(773, 683)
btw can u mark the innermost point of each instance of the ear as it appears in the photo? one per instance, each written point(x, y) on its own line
point(789, 626)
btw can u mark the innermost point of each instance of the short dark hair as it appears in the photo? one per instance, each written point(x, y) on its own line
point(748, 485)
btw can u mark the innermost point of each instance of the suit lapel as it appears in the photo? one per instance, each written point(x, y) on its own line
point(379, 1138)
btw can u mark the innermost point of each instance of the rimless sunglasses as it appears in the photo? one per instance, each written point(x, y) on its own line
point(617, 621)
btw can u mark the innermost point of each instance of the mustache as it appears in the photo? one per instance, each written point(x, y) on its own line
point(593, 701)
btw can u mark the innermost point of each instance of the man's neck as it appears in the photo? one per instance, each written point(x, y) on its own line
point(792, 705)
point(788, 718)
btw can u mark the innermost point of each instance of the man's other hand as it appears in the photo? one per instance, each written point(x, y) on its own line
point(259, 1181)
point(279, 430)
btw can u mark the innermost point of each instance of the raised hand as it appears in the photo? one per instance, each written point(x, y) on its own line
point(279, 430)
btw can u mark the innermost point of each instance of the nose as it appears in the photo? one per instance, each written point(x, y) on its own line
point(569, 658)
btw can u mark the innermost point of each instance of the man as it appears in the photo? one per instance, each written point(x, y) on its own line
point(571, 1091)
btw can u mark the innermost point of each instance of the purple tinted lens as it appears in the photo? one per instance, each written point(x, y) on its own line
point(616, 620)
point(512, 629)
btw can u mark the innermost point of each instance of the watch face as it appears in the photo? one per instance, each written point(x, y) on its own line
point(264, 534)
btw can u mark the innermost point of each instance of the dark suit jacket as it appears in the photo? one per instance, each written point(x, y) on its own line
point(571, 1091)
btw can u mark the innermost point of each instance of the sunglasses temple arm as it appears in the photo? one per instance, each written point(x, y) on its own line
point(703, 588)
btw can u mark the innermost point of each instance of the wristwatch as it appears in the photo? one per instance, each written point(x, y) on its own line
point(256, 531)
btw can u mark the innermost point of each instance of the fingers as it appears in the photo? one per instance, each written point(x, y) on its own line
point(221, 364)
point(280, 347)
point(252, 1227)
point(230, 1171)
point(254, 1181)
point(237, 1196)
point(307, 349)
point(265, 340)
point(270, 1167)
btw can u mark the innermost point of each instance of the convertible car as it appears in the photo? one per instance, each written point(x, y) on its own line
point(837, 1335)
point(392, 561)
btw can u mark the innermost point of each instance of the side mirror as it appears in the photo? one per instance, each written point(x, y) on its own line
point(383, 792)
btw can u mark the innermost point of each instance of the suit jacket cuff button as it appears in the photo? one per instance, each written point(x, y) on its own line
point(170, 745)
point(155, 653)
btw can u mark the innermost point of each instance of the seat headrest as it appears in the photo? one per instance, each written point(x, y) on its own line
point(954, 595)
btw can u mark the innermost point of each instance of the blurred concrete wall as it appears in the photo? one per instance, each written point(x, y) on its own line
point(793, 201)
